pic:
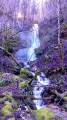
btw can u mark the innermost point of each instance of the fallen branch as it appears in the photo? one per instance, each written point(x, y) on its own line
point(25, 96)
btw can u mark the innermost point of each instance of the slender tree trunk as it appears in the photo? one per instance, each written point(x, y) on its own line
point(59, 41)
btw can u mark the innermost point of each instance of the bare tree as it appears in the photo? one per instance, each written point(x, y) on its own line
point(59, 40)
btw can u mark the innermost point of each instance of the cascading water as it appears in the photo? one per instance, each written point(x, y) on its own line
point(28, 53)
point(34, 44)
point(42, 81)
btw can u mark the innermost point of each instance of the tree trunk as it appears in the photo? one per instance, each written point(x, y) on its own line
point(59, 41)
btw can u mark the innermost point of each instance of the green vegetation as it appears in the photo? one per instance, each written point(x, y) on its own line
point(22, 84)
point(10, 103)
point(7, 108)
point(25, 73)
point(11, 119)
point(43, 113)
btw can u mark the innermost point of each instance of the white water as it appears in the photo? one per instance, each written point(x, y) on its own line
point(33, 42)
point(42, 81)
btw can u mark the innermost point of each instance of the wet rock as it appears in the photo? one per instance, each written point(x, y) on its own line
point(39, 51)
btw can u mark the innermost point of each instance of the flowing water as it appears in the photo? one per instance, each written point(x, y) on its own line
point(32, 41)
point(28, 54)
point(35, 43)
point(42, 81)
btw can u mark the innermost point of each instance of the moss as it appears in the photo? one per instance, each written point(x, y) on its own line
point(28, 100)
point(16, 78)
point(2, 99)
point(7, 93)
point(24, 73)
point(43, 113)
point(8, 105)
point(11, 119)
point(22, 84)
point(9, 97)
point(7, 108)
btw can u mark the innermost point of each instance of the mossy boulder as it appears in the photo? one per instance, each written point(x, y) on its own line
point(9, 97)
point(16, 77)
point(7, 108)
point(25, 73)
point(23, 84)
point(43, 113)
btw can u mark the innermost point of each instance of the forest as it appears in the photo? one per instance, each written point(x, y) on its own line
point(33, 59)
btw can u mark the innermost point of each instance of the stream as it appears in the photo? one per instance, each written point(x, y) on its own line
point(42, 81)
point(26, 55)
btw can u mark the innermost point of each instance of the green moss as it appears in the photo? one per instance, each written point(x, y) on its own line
point(43, 113)
point(11, 119)
point(7, 93)
point(22, 84)
point(28, 100)
point(7, 108)
point(9, 96)
point(24, 73)
point(16, 78)
point(2, 99)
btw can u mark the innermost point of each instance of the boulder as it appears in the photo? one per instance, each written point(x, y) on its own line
point(25, 73)
point(43, 114)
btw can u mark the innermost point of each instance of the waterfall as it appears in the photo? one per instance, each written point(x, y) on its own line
point(28, 53)
point(34, 44)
